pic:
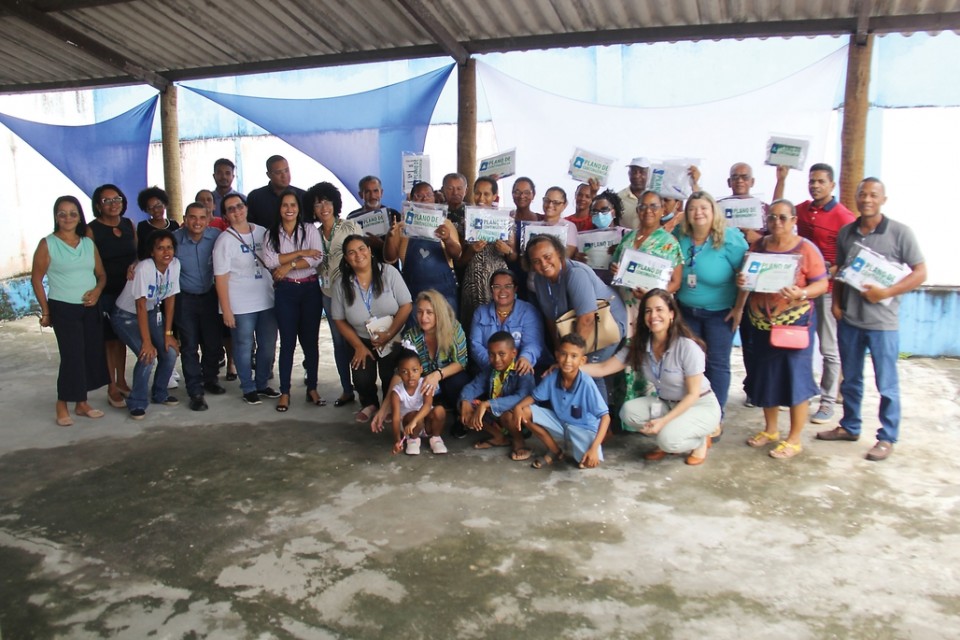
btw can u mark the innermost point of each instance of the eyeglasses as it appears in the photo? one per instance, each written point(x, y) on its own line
point(649, 207)
point(67, 214)
point(320, 203)
point(503, 287)
point(734, 177)
point(156, 207)
point(782, 218)
point(236, 208)
point(553, 203)
point(526, 193)
point(603, 210)
point(108, 201)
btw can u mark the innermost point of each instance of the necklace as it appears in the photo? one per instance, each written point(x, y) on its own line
point(503, 314)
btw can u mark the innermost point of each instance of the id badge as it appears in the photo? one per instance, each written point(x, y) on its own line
point(326, 281)
point(259, 274)
point(692, 281)
point(656, 410)
point(159, 317)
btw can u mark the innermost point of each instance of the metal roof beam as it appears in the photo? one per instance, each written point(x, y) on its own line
point(437, 31)
point(40, 20)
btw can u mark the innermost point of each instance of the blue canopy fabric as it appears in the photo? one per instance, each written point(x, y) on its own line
point(113, 151)
point(353, 135)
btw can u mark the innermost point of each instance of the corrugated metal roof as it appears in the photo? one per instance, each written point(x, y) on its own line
point(48, 44)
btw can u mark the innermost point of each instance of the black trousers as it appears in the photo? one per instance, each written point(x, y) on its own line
point(83, 362)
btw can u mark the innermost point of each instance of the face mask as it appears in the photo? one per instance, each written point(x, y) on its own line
point(666, 219)
point(602, 220)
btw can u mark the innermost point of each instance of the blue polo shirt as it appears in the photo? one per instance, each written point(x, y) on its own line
point(196, 260)
point(581, 405)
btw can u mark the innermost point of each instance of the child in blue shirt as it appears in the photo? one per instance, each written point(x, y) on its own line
point(487, 401)
point(569, 412)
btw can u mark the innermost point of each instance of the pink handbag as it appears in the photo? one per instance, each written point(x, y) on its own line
point(788, 336)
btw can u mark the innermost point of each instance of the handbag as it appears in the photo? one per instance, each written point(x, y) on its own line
point(789, 336)
point(606, 331)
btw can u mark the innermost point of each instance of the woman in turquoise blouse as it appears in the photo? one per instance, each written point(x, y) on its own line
point(75, 276)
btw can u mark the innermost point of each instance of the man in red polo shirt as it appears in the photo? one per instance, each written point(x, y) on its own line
point(819, 220)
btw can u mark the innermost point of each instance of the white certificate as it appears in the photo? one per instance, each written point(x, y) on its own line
point(585, 165)
point(420, 220)
point(670, 180)
point(488, 225)
point(789, 152)
point(639, 270)
point(530, 229)
point(374, 222)
point(377, 325)
point(416, 168)
point(742, 213)
point(596, 245)
point(866, 266)
point(770, 272)
point(501, 165)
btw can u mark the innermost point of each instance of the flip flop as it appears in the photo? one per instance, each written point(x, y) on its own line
point(92, 413)
point(65, 422)
point(365, 414)
point(486, 444)
point(519, 455)
point(547, 460)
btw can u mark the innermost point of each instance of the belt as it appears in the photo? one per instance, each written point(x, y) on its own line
point(198, 295)
point(301, 280)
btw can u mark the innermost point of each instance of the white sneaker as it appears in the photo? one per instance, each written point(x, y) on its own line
point(413, 446)
point(172, 382)
point(437, 446)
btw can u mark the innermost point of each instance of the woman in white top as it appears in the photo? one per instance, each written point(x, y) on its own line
point(684, 413)
point(292, 252)
point(139, 324)
point(245, 289)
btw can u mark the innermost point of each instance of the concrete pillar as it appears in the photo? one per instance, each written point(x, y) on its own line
point(170, 139)
point(856, 105)
point(467, 122)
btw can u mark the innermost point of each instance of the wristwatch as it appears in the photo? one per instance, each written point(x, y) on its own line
point(169, 333)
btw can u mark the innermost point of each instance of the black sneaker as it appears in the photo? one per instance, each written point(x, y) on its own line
point(197, 403)
point(137, 414)
point(268, 392)
point(457, 430)
point(171, 401)
point(251, 398)
point(214, 388)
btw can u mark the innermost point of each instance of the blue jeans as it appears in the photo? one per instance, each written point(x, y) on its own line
point(602, 355)
point(199, 325)
point(128, 330)
point(717, 333)
point(342, 351)
point(884, 350)
point(263, 324)
point(298, 309)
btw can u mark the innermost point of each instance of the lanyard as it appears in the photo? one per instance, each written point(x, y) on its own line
point(694, 251)
point(251, 246)
point(368, 299)
point(162, 287)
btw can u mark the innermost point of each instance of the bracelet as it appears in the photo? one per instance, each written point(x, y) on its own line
point(168, 333)
point(440, 371)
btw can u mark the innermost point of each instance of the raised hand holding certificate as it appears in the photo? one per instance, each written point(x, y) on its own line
point(866, 266)
point(531, 229)
point(416, 168)
point(770, 272)
point(742, 213)
point(487, 225)
point(639, 270)
point(420, 219)
point(585, 165)
point(375, 222)
point(596, 245)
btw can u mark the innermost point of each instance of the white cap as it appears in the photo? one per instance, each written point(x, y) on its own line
point(639, 162)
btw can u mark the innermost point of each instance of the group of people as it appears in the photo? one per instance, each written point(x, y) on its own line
point(513, 338)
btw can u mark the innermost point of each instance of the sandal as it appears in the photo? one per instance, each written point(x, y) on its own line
point(343, 400)
point(547, 460)
point(315, 398)
point(762, 439)
point(655, 455)
point(365, 414)
point(519, 455)
point(65, 422)
point(283, 404)
point(117, 404)
point(785, 450)
point(490, 444)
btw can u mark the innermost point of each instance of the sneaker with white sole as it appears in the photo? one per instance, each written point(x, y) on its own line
point(822, 416)
point(413, 446)
point(437, 446)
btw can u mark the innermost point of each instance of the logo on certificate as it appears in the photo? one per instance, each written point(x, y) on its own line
point(857, 264)
point(754, 267)
point(578, 162)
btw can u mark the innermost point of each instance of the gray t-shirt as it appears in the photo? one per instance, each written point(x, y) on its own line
point(684, 358)
point(395, 294)
point(578, 289)
point(896, 242)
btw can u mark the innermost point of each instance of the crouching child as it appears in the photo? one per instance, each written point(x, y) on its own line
point(414, 415)
point(487, 401)
point(566, 410)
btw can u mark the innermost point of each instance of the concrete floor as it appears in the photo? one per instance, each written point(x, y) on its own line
point(241, 522)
